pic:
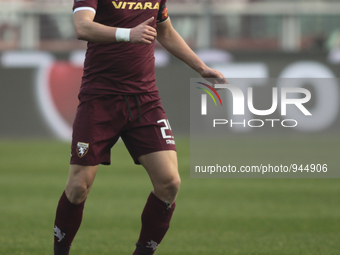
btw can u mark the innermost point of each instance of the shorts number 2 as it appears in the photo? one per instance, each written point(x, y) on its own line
point(163, 129)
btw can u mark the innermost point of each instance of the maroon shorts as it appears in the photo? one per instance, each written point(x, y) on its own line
point(101, 119)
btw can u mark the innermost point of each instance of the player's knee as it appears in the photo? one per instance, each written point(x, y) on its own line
point(79, 188)
point(79, 183)
point(76, 193)
point(175, 184)
point(170, 188)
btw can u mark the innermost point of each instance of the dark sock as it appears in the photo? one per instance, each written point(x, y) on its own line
point(156, 218)
point(67, 222)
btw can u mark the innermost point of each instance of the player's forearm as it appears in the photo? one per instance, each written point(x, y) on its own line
point(91, 31)
point(95, 32)
point(175, 44)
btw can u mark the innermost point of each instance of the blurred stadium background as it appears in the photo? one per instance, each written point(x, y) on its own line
point(40, 72)
point(225, 24)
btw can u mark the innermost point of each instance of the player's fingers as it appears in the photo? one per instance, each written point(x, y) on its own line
point(220, 80)
point(150, 29)
point(224, 80)
point(146, 41)
point(148, 21)
point(151, 32)
point(149, 38)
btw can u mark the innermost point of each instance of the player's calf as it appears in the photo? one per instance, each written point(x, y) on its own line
point(163, 171)
point(156, 218)
point(70, 207)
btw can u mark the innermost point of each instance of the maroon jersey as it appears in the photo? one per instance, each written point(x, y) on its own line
point(121, 68)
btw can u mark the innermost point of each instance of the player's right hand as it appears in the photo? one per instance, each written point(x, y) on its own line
point(143, 33)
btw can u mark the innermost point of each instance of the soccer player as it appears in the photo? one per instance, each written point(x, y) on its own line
point(119, 98)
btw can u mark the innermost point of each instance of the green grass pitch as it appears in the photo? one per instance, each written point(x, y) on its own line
point(213, 216)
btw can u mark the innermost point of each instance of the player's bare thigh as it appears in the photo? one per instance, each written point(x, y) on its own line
point(162, 168)
point(79, 182)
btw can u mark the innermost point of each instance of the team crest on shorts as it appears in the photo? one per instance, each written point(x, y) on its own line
point(82, 149)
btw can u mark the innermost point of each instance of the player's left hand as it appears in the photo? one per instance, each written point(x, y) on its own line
point(217, 76)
